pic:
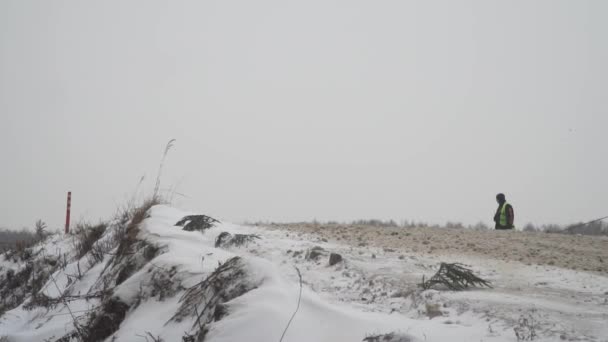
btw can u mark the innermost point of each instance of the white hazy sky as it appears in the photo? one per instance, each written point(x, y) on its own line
point(294, 110)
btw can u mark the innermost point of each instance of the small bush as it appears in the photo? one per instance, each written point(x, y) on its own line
point(40, 229)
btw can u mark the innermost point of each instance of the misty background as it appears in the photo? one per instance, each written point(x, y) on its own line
point(288, 111)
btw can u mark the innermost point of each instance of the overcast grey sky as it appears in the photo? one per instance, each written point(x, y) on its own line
point(294, 110)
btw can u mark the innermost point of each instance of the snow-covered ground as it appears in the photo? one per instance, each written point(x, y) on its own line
point(373, 291)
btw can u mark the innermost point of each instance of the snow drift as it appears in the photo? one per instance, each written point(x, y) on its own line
point(144, 277)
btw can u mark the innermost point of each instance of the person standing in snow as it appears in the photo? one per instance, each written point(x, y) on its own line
point(504, 216)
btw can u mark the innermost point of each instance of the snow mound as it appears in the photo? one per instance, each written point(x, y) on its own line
point(143, 277)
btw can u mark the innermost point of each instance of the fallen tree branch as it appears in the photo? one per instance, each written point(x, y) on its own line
point(456, 277)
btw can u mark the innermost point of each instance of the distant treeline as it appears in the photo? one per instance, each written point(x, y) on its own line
point(594, 228)
point(10, 238)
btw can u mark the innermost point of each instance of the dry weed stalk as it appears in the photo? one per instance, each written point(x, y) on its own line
point(160, 168)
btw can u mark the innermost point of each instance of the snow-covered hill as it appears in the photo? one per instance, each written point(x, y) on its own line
point(146, 279)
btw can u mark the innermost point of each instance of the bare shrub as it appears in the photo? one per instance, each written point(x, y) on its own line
point(40, 227)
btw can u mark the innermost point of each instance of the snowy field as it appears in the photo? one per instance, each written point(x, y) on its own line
point(372, 291)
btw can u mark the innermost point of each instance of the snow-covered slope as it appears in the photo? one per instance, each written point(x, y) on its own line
point(159, 282)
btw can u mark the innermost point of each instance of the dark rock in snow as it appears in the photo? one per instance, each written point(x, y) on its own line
point(334, 258)
point(196, 222)
point(222, 239)
point(226, 239)
point(315, 253)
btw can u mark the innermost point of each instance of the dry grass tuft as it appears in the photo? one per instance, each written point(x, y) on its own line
point(127, 235)
point(106, 321)
point(204, 300)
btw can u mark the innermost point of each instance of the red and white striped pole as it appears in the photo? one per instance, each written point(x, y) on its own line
point(67, 213)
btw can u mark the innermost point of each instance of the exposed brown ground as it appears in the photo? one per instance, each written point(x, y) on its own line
point(584, 253)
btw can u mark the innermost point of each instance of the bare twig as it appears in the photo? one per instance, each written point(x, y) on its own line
point(297, 307)
point(154, 339)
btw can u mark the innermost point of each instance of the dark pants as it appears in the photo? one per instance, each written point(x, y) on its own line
point(499, 227)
